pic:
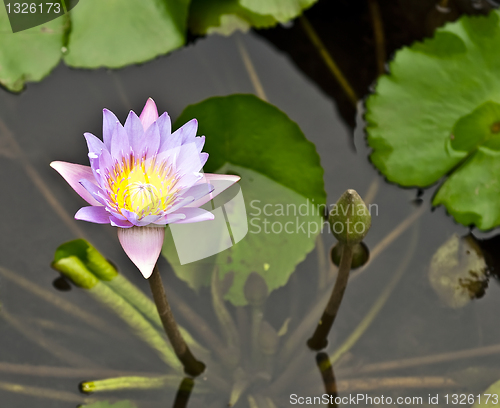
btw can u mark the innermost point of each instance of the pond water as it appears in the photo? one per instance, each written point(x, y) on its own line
point(413, 344)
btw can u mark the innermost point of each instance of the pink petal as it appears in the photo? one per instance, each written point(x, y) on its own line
point(73, 173)
point(193, 215)
point(220, 182)
point(143, 246)
point(149, 114)
point(96, 214)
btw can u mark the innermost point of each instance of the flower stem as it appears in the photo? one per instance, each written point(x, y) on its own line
point(192, 366)
point(319, 339)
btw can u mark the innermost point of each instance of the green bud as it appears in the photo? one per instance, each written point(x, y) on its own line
point(255, 290)
point(74, 269)
point(350, 218)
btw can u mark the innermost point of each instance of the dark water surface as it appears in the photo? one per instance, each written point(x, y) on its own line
point(46, 122)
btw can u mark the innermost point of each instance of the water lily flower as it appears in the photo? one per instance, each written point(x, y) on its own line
point(142, 177)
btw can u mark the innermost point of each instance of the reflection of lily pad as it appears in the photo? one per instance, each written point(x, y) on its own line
point(437, 113)
point(457, 272)
point(279, 167)
point(226, 16)
point(273, 246)
point(28, 55)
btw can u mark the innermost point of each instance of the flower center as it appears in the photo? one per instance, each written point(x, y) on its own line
point(145, 188)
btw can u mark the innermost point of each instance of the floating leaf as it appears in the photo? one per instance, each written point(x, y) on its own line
point(245, 131)
point(438, 114)
point(457, 272)
point(489, 398)
point(106, 404)
point(226, 16)
point(281, 10)
point(280, 177)
point(267, 249)
point(28, 55)
point(116, 33)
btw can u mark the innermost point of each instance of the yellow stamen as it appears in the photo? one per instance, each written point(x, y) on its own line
point(141, 186)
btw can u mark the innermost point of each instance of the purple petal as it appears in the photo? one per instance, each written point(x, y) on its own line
point(120, 146)
point(148, 219)
point(199, 143)
point(117, 222)
point(94, 190)
point(180, 136)
point(150, 142)
point(198, 191)
point(220, 181)
point(96, 214)
point(134, 129)
point(189, 160)
point(171, 142)
point(189, 180)
point(95, 145)
point(130, 216)
point(193, 215)
point(106, 162)
point(181, 202)
point(109, 121)
point(188, 131)
point(169, 219)
point(164, 125)
point(73, 173)
point(149, 114)
point(143, 246)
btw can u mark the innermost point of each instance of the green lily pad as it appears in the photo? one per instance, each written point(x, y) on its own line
point(281, 10)
point(226, 16)
point(106, 404)
point(437, 114)
point(273, 246)
point(280, 177)
point(489, 398)
point(28, 55)
point(251, 133)
point(117, 33)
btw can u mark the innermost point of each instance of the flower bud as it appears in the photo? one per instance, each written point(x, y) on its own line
point(255, 290)
point(350, 218)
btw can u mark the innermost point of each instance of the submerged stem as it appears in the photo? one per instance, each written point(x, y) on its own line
point(319, 339)
point(191, 365)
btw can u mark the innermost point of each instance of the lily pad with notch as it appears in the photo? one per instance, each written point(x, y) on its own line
point(280, 171)
point(436, 116)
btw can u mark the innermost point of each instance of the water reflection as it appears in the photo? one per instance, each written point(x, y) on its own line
point(413, 346)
